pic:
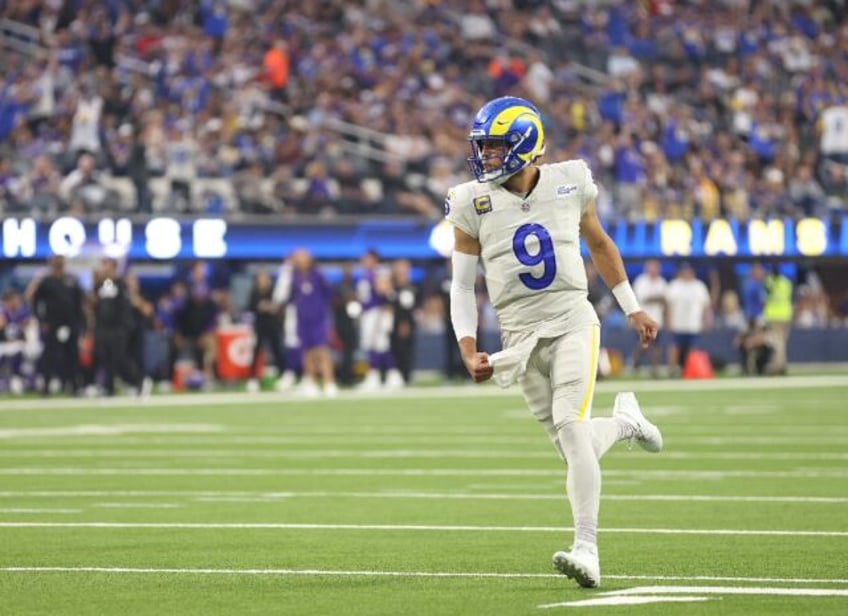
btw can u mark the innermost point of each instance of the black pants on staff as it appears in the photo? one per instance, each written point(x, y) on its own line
point(60, 359)
point(453, 360)
point(402, 350)
point(349, 340)
point(113, 357)
point(135, 349)
point(268, 335)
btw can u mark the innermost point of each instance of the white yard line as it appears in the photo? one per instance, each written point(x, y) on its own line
point(402, 574)
point(305, 454)
point(271, 497)
point(604, 600)
point(755, 455)
point(775, 442)
point(109, 430)
point(825, 438)
point(422, 527)
point(320, 438)
point(418, 393)
point(245, 496)
point(38, 510)
point(673, 475)
point(659, 594)
point(733, 590)
point(118, 493)
point(137, 505)
point(311, 454)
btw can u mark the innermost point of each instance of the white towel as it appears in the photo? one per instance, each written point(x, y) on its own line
point(510, 364)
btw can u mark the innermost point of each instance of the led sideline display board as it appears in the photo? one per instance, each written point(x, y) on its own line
point(166, 238)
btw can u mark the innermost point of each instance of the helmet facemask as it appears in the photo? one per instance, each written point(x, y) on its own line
point(485, 152)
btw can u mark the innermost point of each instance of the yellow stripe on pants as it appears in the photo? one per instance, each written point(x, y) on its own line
point(593, 366)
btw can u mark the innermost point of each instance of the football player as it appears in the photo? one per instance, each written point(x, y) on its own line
point(524, 221)
point(373, 289)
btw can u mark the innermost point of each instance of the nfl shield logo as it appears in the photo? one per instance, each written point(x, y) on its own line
point(525, 207)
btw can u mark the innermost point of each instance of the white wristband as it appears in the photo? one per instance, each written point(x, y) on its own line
point(626, 298)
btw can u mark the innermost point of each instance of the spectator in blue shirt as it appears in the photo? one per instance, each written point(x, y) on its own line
point(754, 294)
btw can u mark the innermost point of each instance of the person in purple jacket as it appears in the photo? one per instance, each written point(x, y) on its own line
point(302, 285)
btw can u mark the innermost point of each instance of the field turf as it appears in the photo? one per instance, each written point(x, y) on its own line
point(432, 501)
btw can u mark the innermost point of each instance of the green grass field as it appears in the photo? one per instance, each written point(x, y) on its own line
point(434, 501)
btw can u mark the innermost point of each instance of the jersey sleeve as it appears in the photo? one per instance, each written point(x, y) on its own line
point(589, 190)
point(459, 213)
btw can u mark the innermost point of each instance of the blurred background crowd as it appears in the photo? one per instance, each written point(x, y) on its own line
point(688, 109)
point(371, 324)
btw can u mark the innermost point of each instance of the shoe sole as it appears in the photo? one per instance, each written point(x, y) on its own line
point(649, 445)
point(574, 572)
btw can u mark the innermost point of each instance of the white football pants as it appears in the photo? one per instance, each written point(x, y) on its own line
point(558, 387)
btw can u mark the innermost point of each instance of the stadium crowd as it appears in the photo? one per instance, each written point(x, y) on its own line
point(80, 330)
point(699, 108)
point(76, 331)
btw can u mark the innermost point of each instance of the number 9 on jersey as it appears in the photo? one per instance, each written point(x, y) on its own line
point(545, 255)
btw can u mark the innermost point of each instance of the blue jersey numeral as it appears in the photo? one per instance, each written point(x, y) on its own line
point(545, 255)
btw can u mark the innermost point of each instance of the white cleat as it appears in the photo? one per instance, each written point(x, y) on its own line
point(146, 388)
point(580, 564)
point(308, 388)
point(331, 390)
point(286, 381)
point(16, 385)
point(394, 380)
point(371, 382)
point(626, 409)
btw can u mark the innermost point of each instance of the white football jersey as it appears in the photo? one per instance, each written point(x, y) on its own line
point(535, 274)
point(687, 302)
point(650, 292)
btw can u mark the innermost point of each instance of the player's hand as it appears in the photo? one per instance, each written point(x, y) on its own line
point(645, 326)
point(478, 366)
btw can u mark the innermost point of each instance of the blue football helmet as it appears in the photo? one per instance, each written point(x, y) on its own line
point(516, 126)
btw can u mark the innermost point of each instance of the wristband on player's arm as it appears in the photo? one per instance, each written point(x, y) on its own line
point(463, 306)
point(626, 298)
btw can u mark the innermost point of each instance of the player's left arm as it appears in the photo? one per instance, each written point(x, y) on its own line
point(607, 261)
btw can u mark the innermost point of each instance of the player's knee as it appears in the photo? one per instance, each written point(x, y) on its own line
point(565, 423)
point(564, 413)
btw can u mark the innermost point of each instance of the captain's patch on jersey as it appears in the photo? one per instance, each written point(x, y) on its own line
point(482, 204)
point(564, 190)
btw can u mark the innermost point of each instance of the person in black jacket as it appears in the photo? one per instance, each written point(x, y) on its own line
point(404, 300)
point(195, 330)
point(267, 326)
point(142, 312)
point(453, 360)
point(57, 301)
point(113, 323)
point(346, 309)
